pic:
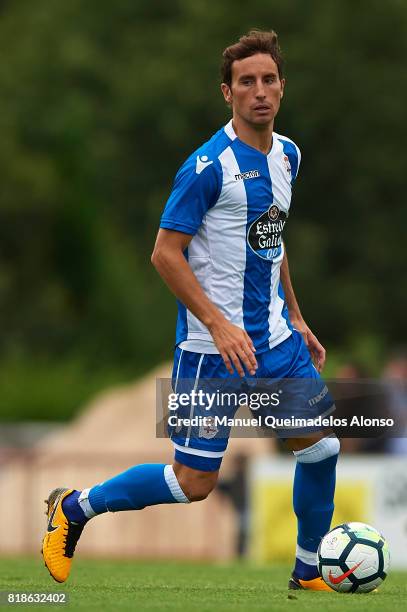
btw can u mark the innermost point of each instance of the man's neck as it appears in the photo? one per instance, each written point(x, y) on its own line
point(259, 137)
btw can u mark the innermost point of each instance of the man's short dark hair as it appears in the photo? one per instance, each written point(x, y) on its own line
point(255, 41)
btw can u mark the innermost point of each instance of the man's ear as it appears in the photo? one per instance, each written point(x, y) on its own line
point(282, 81)
point(227, 93)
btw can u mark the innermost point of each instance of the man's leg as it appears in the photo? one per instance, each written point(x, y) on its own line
point(316, 454)
point(191, 477)
point(141, 486)
point(313, 497)
point(134, 489)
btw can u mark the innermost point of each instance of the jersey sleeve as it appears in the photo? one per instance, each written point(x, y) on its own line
point(298, 161)
point(196, 188)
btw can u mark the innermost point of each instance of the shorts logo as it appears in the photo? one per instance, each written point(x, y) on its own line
point(265, 233)
point(247, 175)
point(319, 397)
point(209, 430)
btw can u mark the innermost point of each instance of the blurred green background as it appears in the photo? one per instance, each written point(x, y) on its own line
point(102, 101)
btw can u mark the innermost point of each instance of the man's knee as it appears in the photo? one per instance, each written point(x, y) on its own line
point(195, 484)
point(198, 492)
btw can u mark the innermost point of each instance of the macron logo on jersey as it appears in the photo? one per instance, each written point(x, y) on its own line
point(247, 175)
point(202, 163)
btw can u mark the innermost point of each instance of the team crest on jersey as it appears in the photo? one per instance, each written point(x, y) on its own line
point(287, 164)
point(209, 430)
point(273, 212)
point(265, 233)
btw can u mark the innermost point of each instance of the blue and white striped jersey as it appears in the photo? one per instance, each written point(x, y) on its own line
point(235, 201)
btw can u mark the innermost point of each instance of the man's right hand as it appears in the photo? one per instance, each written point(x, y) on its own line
point(235, 346)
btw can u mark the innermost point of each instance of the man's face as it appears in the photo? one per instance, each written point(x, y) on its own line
point(256, 89)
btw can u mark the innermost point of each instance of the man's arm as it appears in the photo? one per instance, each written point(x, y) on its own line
point(233, 343)
point(316, 349)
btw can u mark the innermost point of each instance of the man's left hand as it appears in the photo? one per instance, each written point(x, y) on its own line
point(317, 351)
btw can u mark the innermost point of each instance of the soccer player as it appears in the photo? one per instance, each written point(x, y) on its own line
point(220, 251)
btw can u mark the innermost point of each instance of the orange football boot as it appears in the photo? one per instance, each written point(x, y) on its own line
point(316, 584)
point(58, 545)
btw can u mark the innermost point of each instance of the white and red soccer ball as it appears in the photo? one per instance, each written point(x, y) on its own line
point(353, 558)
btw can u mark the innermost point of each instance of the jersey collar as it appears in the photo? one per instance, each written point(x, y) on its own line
point(230, 132)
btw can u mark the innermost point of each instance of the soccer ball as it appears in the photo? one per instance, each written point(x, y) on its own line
point(353, 558)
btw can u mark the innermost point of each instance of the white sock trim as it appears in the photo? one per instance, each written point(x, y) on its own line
point(306, 556)
point(83, 501)
point(173, 485)
point(323, 449)
point(197, 451)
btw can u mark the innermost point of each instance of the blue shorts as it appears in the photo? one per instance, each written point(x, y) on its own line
point(288, 362)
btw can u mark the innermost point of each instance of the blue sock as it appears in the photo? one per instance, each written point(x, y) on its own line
point(140, 486)
point(314, 488)
point(305, 571)
point(72, 509)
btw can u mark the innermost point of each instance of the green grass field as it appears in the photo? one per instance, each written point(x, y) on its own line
point(126, 585)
